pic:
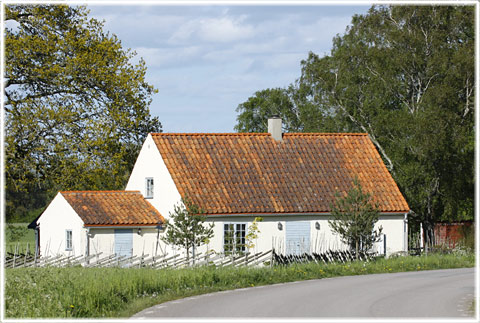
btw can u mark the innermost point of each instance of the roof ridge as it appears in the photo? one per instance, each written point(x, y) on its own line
point(210, 133)
point(113, 191)
point(257, 134)
point(325, 134)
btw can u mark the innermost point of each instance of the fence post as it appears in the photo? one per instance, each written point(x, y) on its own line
point(35, 258)
point(271, 257)
point(26, 253)
point(14, 255)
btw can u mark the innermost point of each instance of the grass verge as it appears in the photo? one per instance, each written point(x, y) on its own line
point(117, 292)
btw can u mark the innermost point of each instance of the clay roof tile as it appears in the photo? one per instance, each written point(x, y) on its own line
point(228, 173)
point(112, 207)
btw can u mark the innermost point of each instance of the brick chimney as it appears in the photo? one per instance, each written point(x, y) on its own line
point(275, 127)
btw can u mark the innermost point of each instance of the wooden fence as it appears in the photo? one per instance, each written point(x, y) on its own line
point(341, 256)
point(14, 260)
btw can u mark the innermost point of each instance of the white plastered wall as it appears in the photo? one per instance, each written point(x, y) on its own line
point(268, 228)
point(150, 164)
point(146, 242)
point(395, 231)
point(103, 240)
point(320, 240)
point(270, 234)
point(58, 217)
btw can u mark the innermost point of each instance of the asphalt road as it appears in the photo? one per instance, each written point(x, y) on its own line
point(434, 293)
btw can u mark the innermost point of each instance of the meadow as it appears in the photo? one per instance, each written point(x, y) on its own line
point(121, 292)
point(19, 237)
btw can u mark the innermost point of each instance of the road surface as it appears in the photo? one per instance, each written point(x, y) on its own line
point(434, 293)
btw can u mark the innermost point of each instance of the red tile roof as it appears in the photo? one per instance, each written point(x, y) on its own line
point(238, 173)
point(112, 208)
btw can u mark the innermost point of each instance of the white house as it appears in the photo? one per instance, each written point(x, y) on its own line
point(289, 180)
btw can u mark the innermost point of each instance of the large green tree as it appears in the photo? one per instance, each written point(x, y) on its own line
point(405, 76)
point(299, 114)
point(76, 106)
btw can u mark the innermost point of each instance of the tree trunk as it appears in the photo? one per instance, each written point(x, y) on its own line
point(193, 255)
point(356, 249)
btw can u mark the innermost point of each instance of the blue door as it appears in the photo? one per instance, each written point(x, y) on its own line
point(297, 237)
point(124, 242)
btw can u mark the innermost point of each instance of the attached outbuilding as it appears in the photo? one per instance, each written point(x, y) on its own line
point(89, 222)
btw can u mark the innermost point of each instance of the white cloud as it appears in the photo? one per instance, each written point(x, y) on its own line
point(323, 29)
point(285, 61)
point(216, 30)
point(225, 29)
point(168, 57)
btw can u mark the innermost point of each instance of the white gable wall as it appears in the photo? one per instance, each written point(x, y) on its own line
point(58, 217)
point(150, 164)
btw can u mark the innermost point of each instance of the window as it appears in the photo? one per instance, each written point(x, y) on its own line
point(149, 187)
point(234, 237)
point(68, 240)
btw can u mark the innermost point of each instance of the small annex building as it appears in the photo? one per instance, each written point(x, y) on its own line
point(89, 222)
point(288, 179)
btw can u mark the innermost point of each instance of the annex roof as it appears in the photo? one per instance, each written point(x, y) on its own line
point(238, 173)
point(122, 208)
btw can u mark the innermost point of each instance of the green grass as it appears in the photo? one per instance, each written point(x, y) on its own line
point(471, 308)
point(18, 235)
point(116, 292)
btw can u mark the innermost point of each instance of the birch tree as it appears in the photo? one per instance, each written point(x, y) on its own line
point(405, 76)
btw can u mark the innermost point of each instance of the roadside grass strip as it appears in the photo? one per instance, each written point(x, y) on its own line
point(53, 292)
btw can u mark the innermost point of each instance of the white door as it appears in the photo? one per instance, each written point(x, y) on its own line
point(124, 242)
point(297, 237)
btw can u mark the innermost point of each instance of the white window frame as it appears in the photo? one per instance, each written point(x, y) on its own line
point(149, 187)
point(237, 228)
point(68, 240)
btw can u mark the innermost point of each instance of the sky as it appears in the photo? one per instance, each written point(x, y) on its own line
point(205, 60)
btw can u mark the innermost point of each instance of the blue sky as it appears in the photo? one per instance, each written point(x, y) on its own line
point(207, 59)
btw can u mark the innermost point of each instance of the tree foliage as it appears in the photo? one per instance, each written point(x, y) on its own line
point(297, 113)
point(76, 108)
point(354, 217)
point(253, 233)
point(405, 76)
point(186, 228)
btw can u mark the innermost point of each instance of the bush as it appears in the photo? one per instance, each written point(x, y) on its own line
point(14, 232)
point(468, 237)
